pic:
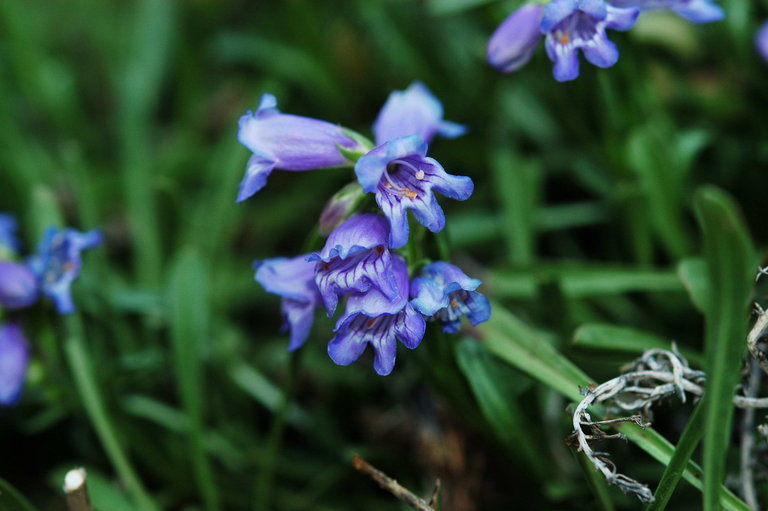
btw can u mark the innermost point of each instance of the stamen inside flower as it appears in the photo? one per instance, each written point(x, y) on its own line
point(401, 191)
point(564, 38)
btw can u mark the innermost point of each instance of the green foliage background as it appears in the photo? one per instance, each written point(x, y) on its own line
point(167, 384)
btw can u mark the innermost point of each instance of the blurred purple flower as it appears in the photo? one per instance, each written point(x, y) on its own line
point(514, 41)
point(287, 142)
point(403, 177)
point(374, 319)
point(761, 41)
point(572, 25)
point(356, 258)
point(18, 285)
point(9, 244)
point(57, 263)
point(446, 293)
point(14, 357)
point(294, 280)
point(413, 111)
point(695, 11)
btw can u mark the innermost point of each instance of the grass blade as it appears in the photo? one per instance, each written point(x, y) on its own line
point(12, 500)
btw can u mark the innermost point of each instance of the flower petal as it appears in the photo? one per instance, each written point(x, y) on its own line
point(514, 41)
point(555, 12)
point(359, 232)
point(601, 52)
point(14, 357)
point(700, 11)
point(18, 285)
point(409, 327)
point(299, 317)
point(257, 171)
point(761, 41)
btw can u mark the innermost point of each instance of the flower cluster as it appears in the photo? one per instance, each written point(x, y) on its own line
point(49, 272)
point(359, 262)
point(570, 26)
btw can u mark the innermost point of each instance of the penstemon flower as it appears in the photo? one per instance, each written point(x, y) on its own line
point(413, 111)
point(373, 319)
point(403, 177)
point(57, 263)
point(14, 357)
point(573, 25)
point(513, 43)
point(761, 41)
point(18, 285)
point(356, 258)
point(446, 293)
point(287, 142)
point(294, 280)
point(695, 11)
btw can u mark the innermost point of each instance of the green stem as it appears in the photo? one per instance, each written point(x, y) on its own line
point(275, 438)
point(82, 371)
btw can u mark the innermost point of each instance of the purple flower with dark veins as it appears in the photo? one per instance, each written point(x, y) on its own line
point(9, 245)
point(287, 142)
point(446, 293)
point(14, 357)
point(403, 177)
point(18, 285)
point(761, 41)
point(294, 280)
point(356, 257)
point(513, 43)
point(57, 263)
point(573, 25)
point(374, 319)
point(413, 111)
point(695, 11)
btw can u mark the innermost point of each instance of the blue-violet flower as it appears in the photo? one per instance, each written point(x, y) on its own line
point(761, 41)
point(287, 142)
point(413, 111)
point(403, 177)
point(513, 43)
point(572, 25)
point(695, 11)
point(14, 357)
point(57, 263)
point(294, 280)
point(446, 293)
point(18, 285)
point(356, 258)
point(372, 318)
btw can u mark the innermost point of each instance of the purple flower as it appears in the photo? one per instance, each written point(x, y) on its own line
point(413, 111)
point(372, 318)
point(294, 280)
point(695, 11)
point(9, 245)
point(57, 263)
point(572, 25)
point(14, 357)
point(513, 43)
point(446, 293)
point(287, 142)
point(18, 285)
point(355, 258)
point(403, 178)
point(761, 41)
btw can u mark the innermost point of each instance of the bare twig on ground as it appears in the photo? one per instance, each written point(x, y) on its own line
point(393, 486)
point(76, 490)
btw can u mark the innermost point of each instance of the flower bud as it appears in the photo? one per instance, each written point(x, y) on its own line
point(512, 44)
point(340, 207)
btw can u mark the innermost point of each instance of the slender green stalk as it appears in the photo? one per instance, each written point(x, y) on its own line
point(85, 380)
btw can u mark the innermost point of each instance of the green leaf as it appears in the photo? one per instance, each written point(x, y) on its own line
point(693, 273)
point(730, 266)
point(188, 305)
point(445, 7)
point(12, 500)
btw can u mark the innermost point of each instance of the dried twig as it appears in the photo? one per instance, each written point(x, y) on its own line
point(393, 486)
point(748, 439)
point(76, 490)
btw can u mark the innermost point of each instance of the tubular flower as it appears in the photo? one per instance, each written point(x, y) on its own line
point(373, 319)
point(18, 285)
point(572, 25)
point(58, 262)
point(403, 177)
point(294, 280)
point(446, 293)
point(413, 111)
point(513, 43)
point(9, 245)
point(356, 258)
point(761, 41)
point(695, 11)
point(287, 142)
point(14, 357)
